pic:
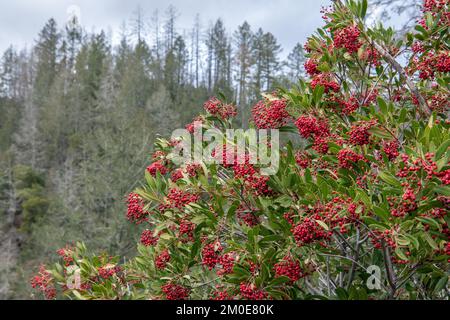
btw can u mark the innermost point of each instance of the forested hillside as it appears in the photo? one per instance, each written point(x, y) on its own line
point(79, 114)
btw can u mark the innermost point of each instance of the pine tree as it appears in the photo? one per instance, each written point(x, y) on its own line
point(220, 46)
point(295, 62)
point(258, 57)
point(196, 49)
point(7, 67)
point(73, 36)
point(169, 28)
point(47, 55)
point(271, 60)
point(243, 39)
point(138, 29)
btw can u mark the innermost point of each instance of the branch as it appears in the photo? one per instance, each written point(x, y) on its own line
point(355, 258)
point(389, 269)
point(399, 69)
point(402, 72)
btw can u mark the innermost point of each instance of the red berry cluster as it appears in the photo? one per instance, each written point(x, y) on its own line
point(248, 216)
point(438, 213)
point(43, 282)
point(311, 67)
point(211, 255)
point(347, 158)
point(177, 175)
point(249, 219)
point(336, 213)
point(359, 133)
point(434, 5)
point(302, 159)
point(378, 238)
point(321, 144)
point(108, 271)
point(443, 62)
point(193, 169)
point(308, 126)
point(325, 80)
point(401, 206)
point(447, 251)
point(178, 199)
point(430, 63)
point(439, 102)
point(162, 259)
point(309, 231)
point(222, 295)
point(227, 262)
point(226, 155)
point(372, 56)
point(147, 238)
point(217, 108)
point(159, 155)
point(251, 292)
point(344, 105)
point(175, 292)
point(191, 126)
point(410, 168)
point(136, 212)
point(369, 97)
point(438, 9)
point(254, 181)
point(67, 255)
point(289, 268)
point(156, 167)
point(186, 231)
point(417, 47)
point(270, 114)
point(390, 148)
point(348, 38)
point(348, 106)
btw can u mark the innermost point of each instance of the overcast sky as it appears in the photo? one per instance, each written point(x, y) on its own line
point(291, 21)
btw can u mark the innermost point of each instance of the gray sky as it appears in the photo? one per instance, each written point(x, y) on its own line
point(291, 21)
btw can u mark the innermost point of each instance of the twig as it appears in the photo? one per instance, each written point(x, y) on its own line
point(389, 269)
point(356, 257)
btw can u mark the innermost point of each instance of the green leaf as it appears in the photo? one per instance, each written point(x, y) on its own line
point(443, 148)
point(429, 221)
point(400, 254)
point(318, 93)
point(363, 9)
point(430, 241)
point(279, 280)
point(341, 293)
point(241, 271)
point(390, 179)
point(383, 105)
point(323, 225)
point(444, 190)
point(380, 212)
point(78, 295)
point(441, 283)
point(383, 134)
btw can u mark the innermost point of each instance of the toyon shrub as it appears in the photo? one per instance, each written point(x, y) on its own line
point(369, 191)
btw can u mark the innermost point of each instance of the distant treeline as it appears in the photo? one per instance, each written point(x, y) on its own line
point(78, 117)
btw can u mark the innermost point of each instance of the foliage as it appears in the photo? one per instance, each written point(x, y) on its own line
point(370, 188)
